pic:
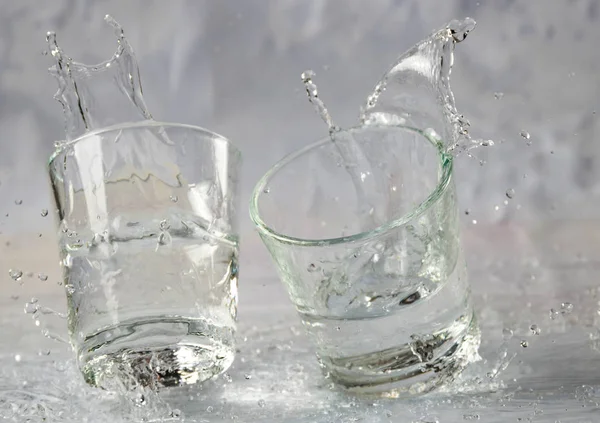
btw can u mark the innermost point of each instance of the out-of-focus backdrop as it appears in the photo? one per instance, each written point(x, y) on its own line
point(234, 67)
point(528, 77)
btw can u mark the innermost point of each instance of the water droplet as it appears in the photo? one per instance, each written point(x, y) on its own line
point(18, 202)
point(566, 308)
point(460, 29)
point(535, 330)
point(42, 277)
point(174, 198)
point(247, 377)
point(267, 190)
point(15, 274)
point(524, 343)
point(498, 95)
point(164, 225)
point(262, 403)
point(164, 238)
point(510, 193)
point(44, 212)
point(31, 307)
point(313, 268)
point(18, 358)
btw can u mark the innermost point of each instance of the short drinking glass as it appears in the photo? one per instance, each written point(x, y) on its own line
point(149, 252)
point(369, 252)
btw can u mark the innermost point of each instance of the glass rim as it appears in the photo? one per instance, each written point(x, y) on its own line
point(141, 124)
point(441, 186)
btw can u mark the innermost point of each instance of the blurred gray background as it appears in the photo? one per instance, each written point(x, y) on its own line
point(234, 67)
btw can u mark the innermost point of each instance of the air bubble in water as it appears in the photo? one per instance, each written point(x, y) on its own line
point(507, 333)
point(44, 212)
point(139, 400)
point(209, 409)
point(510, 193)
point(524, 343)
point(267, 190)
point(313, 268)
point(15, 274)
point(566, 308)
point(262, 403)
point(164, 225)
point(42, 277)
point(535, 330)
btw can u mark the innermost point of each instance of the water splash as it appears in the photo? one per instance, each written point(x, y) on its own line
point(313, 96)
point(416, 90)
point(353, 158)
point(87, 93)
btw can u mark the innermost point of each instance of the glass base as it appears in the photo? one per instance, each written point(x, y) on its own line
point(409, 370)
point(156, 353)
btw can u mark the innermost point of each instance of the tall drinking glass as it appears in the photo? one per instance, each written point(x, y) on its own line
point(149, 250)
point(371, 257)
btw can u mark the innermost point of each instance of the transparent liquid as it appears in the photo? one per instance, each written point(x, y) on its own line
point(379, 337)
point(156, 309)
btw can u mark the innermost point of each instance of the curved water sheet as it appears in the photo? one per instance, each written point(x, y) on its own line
point(101, 95)
point(416, 90)
point(414, 93)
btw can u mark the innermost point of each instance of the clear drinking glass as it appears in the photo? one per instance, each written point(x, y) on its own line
point(149, 250)
point(377, 276)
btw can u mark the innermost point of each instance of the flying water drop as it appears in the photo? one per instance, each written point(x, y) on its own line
point(15, 274)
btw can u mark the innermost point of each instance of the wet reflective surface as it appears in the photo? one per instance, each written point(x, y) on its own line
point(517, 277)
